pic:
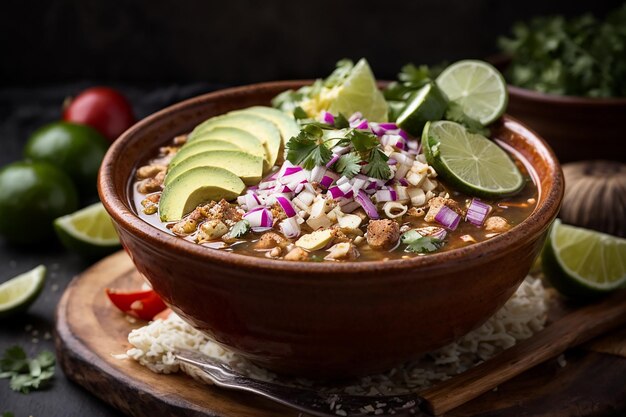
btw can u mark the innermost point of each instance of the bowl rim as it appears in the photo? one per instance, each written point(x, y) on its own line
point(529, 94)
point(119, 209)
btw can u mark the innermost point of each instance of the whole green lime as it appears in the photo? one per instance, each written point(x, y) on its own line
point(32, 195)
point(75, 149)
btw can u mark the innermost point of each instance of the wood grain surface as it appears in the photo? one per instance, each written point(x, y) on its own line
point(90, 331)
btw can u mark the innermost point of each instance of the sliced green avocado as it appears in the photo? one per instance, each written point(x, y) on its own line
point(202, 146)
point(247, 167)
point(286, 124)
point(244, 140)
point(265, 131)
point(195, 187)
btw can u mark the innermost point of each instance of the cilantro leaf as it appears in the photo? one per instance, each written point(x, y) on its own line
point(377, 165)
point(341, 122)
point(363, 141)
point(341, 72)
point(455, 113)
point(349, 165)
point(299, 113)
point(308, 149)
point(415, 75)
point(580, 56)
point(26, 374)
point(8, 414)
point(420, 244)
point(239, 229)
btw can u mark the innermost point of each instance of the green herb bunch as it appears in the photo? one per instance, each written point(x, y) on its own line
point(26, 373)
point(582, 56)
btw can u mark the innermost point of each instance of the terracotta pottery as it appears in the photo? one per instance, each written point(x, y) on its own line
point(324, 319)
point(577, 128)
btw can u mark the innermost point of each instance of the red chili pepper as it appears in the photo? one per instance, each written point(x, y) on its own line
point(143, 304)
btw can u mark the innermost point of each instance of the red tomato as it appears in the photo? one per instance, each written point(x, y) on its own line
point(102, 108)
point(143, 304)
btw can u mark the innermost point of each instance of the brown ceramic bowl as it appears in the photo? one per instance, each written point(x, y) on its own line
point(323, 319)
point(577, 128)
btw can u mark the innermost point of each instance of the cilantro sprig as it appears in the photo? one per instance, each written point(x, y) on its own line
point(308, 149)
point(417, 243)
point(581, 56)
point(239, 229)
point(348, 165)
point(26, 373)
point(377, 165)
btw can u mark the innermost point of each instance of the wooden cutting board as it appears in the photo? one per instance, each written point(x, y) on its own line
point(90, 331)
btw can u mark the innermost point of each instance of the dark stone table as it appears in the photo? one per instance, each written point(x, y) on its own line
point(22, 110)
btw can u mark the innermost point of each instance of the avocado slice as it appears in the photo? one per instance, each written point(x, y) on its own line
point(244, 140)
point(195, 148)
point(286, 124)
point(197, 186)
point(265, 131)
point(247, 167)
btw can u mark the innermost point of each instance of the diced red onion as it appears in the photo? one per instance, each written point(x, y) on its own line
point(365, 202)
point(251, 200)
point(340, 150)
point(286, 206)
point(317, 173)
point(448, 218)
point(291, 170)
point(336, 192)
point(403, 134)
point(349, 194)
point(253, 187)
point(388, 126)
point(306, 197)
point(343, 180)
point(328, 179)
point(361, 125)
point(477, 212)
point(345, 186)
point(261, 218)
point(355, 116)
point(290, 227)
point(266, 185)
point(388, 194)
point(441, 234)
point(294, 178)
point(401, 171)
point(333, 160)
point(328, 118)
point(350, 206)
point(391, 161)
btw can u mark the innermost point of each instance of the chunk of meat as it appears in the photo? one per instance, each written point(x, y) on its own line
point(435, 205)
point(339, 236)
point(344, 251)
point(185, 226)
point(382, 234)
point(278, 213)
point(150, 185)
point(271, 240)
point(180, 140)
point(224, 211)
point(150, 171)
point(496, 224)
point(297, 254)
point(415, 212)
point(211, 230)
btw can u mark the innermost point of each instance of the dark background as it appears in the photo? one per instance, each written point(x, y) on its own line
point(161, 52)
point(242, 41)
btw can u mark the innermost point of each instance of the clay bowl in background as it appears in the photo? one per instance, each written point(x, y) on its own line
point(577, 128)
point(323, 319)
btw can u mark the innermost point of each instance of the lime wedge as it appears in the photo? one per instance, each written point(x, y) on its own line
point(469, 161)
point(88, 232)
point(583, 263)
point(358, 93)
point(18, 293)
point(478, 87)
point(427, 103)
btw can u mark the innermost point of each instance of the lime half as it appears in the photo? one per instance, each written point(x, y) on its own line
point(88, 232)
point(583, 263)
point(427, 103)
point(478, 87)
point(18, 293)
point(469, 161)
point(359, 93)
